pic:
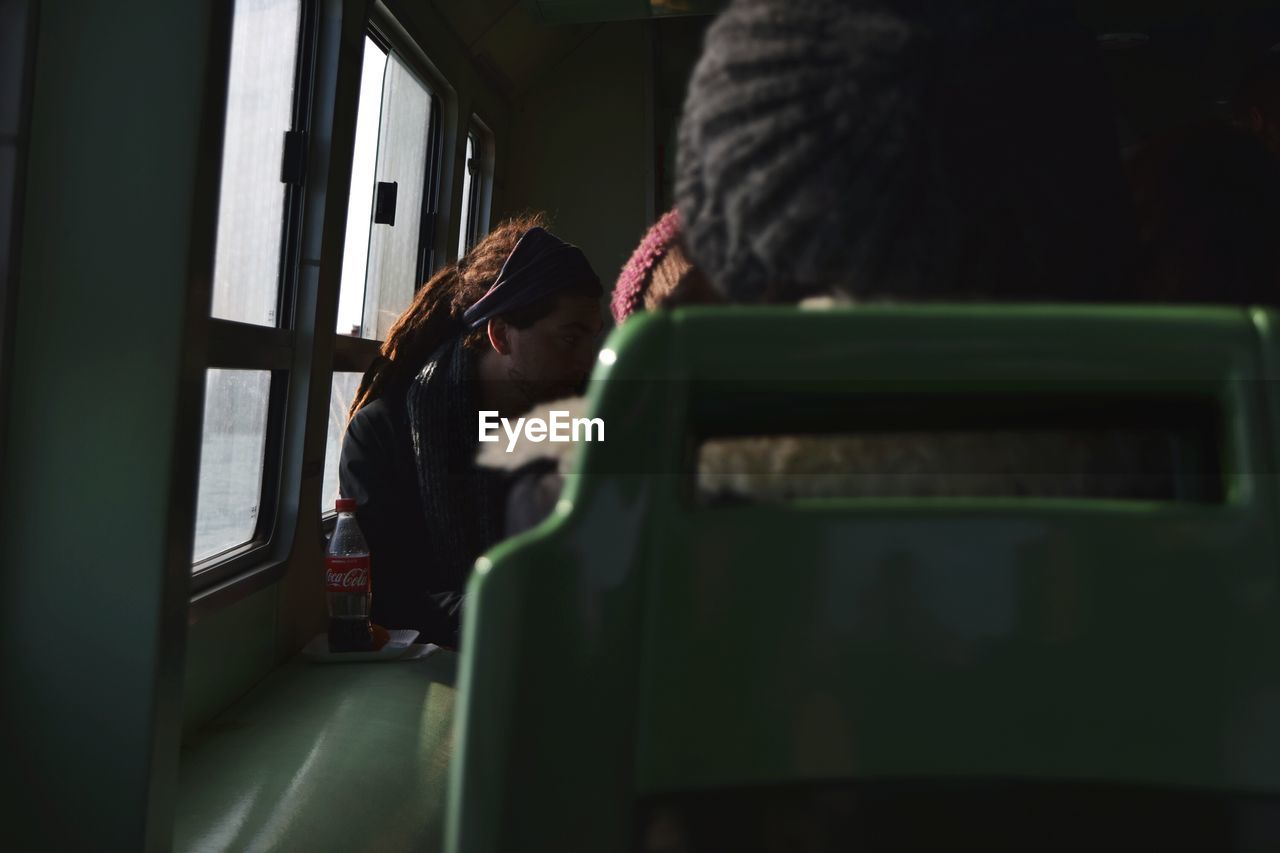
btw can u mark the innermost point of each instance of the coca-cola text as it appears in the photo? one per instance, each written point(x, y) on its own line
point(347, 574)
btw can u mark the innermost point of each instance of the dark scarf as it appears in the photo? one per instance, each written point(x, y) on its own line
point(462, 502)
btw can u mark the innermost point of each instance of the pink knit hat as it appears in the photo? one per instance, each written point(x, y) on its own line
point(638, 273)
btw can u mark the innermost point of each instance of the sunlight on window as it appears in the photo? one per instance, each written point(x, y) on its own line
point(355, 254)
point(468, 182)
point(232, 443)
point(395, 250)
point(264, 47)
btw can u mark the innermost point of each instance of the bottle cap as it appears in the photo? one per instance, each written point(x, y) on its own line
point(345, 505)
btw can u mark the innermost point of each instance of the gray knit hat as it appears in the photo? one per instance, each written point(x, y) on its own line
point(901, 148)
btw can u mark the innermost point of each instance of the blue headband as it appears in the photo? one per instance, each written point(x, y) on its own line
point(539, 266)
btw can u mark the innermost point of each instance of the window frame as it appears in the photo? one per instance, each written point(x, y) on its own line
point(237, 345)
point(383, 25)
point(430, 217)
point(21, 91)
point(304, 337)
point(481, 138)
point(389, 36)
point(475, 173)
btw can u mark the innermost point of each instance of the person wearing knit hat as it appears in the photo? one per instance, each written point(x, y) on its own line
point(659, 272)
point(902, 149)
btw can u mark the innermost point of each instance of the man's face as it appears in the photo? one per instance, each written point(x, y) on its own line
point(553, 357)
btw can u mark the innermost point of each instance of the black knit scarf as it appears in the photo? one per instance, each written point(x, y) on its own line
point(462, 502)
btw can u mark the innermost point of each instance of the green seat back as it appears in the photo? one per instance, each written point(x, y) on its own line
point(641, 642)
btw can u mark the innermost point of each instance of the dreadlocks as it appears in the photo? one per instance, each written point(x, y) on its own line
point(435, 315)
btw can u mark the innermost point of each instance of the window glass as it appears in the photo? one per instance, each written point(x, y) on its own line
point(392, 275)
point(360, 202)
point(233, 440)
point(264, 47)
point(466, 231)
point(384, 242)
point(341, 394)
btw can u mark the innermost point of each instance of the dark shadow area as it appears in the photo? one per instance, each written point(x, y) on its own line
point(951, 815)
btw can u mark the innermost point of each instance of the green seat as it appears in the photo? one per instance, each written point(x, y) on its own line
point(643, 642)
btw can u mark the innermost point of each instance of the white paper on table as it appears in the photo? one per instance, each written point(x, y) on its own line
point(400, 646)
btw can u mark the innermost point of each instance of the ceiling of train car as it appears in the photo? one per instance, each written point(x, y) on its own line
point(515, 40)
point(559, 11)
point(508, 41)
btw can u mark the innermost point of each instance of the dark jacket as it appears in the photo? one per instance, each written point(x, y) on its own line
point(377, 469)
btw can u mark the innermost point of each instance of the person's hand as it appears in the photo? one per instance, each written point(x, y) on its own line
point(380, 636)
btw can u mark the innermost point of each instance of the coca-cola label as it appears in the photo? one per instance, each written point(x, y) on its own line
point(347, 574)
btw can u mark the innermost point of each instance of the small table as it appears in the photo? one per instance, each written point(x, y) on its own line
point(349, 756)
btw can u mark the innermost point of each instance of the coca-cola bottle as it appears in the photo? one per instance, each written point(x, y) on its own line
point(348, 584)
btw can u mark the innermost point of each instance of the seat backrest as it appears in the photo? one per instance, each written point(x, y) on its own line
point(648, 640)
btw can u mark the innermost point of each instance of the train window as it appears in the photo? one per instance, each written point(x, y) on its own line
point(466, 232)
point(232, 450)
point(400, 175)
point(264, 48)
point(255, 275)
point(476, 179)
point(390, 215)
point(342, 392)
point(360, 201)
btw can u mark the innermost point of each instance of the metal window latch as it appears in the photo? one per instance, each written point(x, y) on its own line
point(293, 166)
point(384, 203)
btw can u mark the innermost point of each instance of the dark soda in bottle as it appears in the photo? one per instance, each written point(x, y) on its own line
point(348, 584)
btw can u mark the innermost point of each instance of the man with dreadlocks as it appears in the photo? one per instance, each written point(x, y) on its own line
point(658, 275)
point(514, 323)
